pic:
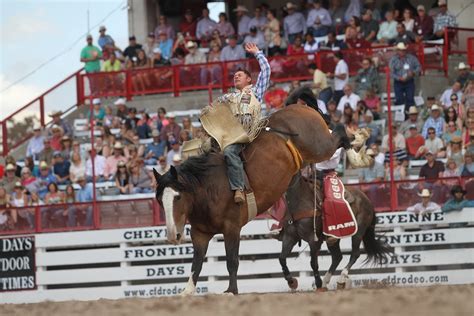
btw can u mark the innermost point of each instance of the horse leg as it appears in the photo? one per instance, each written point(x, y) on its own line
point(289, 241)
point(344, 281)
point(200, 244)
point(232, 243)
point(336, 257)
point(314, 247)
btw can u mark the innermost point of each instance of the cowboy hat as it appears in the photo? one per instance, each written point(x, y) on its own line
point(10, 167)
point(155, 133)
point(190, 44)
point(290, 5)
point(176, 157)
point(18, 185)
point(462, 66)
point(118, 145)
point(120, 101)
point(424, 193)
point(401, 46)
point(435, 107)
point(55, 113)
point(413, 110)
point(241, 8)
point(370, 152)
point(43, 165)
point(96, 101)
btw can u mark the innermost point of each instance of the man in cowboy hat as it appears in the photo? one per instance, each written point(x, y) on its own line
point(435, 121)
point(47, 153)
point(36, 143)
point(244, 20)
point(458, 201)
point(61, 168)
point(413, 119)
point(112, 161)
point(9, 179)
point(195, 56)
point(464, 75)
point(294, 23)
point(247, 99)
point(404, 67)
point(443, 20)
point(57, 120)
point(425, 206)
point(155, 149)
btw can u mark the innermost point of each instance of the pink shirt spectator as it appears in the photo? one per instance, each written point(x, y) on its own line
point(111, 165)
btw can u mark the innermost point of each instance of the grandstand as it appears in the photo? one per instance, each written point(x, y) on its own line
point(182, 87)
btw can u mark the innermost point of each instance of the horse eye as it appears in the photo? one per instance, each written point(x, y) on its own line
point(178, 197)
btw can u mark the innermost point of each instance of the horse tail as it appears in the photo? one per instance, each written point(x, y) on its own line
point(377, 249)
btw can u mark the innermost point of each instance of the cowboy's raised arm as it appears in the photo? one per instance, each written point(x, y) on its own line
point(263, 79)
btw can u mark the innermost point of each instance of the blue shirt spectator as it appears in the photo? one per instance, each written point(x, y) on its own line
point(232, 51)
point(166, 46)
point(36, 143)
point(435, 121)
point(294, 23)
point(85, 193)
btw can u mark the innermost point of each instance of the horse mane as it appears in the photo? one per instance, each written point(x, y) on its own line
point(193, 172)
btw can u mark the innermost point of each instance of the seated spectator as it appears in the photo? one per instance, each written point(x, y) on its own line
point(9, 180)
point(254, 37)
point(455, 151)
point(30, 164)
point(44, 178)
point(36, 143)
point(187, 27)
point(175, 150)
point(140, 178)
point(205, 26)
point(110, 120)
point(388, 29)
point(140, 80)
point(467, 169)
point(53, 196)
point(435, 121)
point(354, 40)
point(5, 214)
point(19, 199)
point(458, 112)
point(98, 112)
point(57, 120)
point(434, 144)
point(373, 173)
point(426, 206)
point(188, 126)
point(131, 50)
point(413, 119)
point(369, 27)
point(399, 170)
point(319, 20)
point(164, 27)
point(112, 161)
point(272, 33)
point(353, 28)
point(456, 89)
point(415, 143)
point(99, 167)
point(378, 156)
point(55, 140)
point(224, 27)
point(214, 55)
point(432, 171)
point(348, 118)
point(296, 48)
point(423, 26)
point(47, 152)
point(122, 179)
point(155, 149)
point(170, 132)
point(163, 167)
point(112, 64)
point(333, 112)
point(403, 36)
point(165, 44)
point(195, 56)
point(451, 171)
point(348, 97)
point(294, 23)
point(232, 51)
point(27, 179)
point(368, 121)
point(122, 110)
point(150, 45)
point(274, 98)
point(77, 168)
point(184, 136)
point(399, 145)
point(408, 21)
point(333, 43)
point(373, 102)
point(177, 160)
point(458, 202)
point(84, 195)
point(66, 147)
point(451, 131)
point(311, 46)
point(367, 77)
point(442, 20)
point(464, 74)
point(61, 168)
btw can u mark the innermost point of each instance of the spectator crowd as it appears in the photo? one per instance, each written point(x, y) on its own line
point(59, 169)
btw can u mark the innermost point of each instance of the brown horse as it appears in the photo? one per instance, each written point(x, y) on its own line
point(198, 190)
point(299, 226)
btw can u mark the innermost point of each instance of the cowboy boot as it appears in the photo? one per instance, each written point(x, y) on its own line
point(239, 197)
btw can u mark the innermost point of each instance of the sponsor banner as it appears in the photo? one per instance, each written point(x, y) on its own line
point(17, 263)
point(403, 219)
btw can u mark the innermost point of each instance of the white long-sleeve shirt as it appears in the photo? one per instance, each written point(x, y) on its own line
point(99, 166)
point(331, 163)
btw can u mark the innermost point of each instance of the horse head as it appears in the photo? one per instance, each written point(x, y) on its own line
point(173, 199)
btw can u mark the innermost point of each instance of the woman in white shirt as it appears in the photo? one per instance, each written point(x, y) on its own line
point(408, 20)
point(311, 46)
point(77, 168)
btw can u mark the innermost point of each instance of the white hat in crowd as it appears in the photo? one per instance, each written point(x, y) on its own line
point(120, 101)
point(290, 5)
point(155, 133)
point(413, 110)
point(55, 113)
point(102, 28)
point(462, 66)
point(424, 193)
point(401, 46)
point(420, 7)
point(435, 107)
point(157, 50)
point(441, 2)
point(190, 44)
point(37, 126)
point(241, 8)
point(118, 145)
point(177, 158)
point(96, 101)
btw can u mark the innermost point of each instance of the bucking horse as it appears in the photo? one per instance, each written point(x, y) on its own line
point(198, 191)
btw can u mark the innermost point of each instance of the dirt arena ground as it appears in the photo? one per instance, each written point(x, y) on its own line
point(436, 300)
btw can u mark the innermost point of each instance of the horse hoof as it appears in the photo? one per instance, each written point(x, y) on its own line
point(322, 289)
point(293, 283)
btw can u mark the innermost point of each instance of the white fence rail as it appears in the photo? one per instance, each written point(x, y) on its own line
point(138, 263)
